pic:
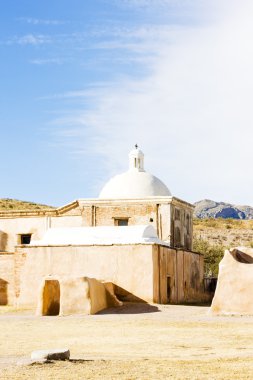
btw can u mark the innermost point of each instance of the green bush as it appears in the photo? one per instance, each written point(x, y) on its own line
point(212, 255)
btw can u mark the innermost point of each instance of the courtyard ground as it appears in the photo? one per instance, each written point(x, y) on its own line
point(136, 341)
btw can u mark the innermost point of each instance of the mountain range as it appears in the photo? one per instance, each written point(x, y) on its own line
point(212, 209)
point(204, 209)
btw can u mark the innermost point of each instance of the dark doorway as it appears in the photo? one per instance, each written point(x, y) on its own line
point(168, 289)
point(3, 292)
point(51, 298)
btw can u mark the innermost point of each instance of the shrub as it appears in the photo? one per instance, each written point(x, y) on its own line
point(212, 255)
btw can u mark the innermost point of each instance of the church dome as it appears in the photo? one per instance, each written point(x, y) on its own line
point(134, 183)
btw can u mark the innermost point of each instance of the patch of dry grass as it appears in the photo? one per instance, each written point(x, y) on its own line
point(7, 204)
point(223, 224)
point(177, 342)
point(137, 369)
point(225, 232)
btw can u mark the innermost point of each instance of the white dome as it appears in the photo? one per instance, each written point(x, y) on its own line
point(135, 183)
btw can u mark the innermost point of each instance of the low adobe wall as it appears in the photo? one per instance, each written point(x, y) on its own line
point(67, 296)
point(129, 267)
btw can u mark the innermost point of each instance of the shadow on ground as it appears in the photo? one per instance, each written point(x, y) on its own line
point(131, 308)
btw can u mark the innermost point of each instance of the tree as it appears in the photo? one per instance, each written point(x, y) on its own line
point(212, 255)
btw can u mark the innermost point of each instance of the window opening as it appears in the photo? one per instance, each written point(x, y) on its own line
point(25, 239)
point(121, 222)
point(177, 214)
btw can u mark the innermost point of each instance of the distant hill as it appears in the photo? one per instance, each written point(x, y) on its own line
point(210, 209)
point(7, 204)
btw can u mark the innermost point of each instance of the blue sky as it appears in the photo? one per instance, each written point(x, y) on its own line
point(83, 81)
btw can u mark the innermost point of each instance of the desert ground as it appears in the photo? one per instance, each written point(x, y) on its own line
point(136, 341)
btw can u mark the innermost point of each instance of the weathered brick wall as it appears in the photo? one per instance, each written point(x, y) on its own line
point(137, 214)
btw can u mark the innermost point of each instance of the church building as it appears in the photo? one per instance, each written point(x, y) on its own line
point(135, 235)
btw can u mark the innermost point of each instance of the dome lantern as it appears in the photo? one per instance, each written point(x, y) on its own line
point(135, 183)
point(136, 159)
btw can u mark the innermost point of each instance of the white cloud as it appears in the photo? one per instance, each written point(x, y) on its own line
point(192, 115)
point(47, 61)
point(158, 3)
point(31, 39)
point(36, 21)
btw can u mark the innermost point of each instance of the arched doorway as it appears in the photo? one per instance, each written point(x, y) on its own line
point(51, 298)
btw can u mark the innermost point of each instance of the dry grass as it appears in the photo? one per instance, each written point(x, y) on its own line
point(226, 232)
point(7, 204)
point(133, 342)
point(137, 369)
point(223, 224)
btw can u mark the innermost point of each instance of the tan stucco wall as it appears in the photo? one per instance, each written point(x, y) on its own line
point(130, 267)
point(7, 292)
point(181, 274)
point(139, 272)
point(12, 228)
point(100, 297)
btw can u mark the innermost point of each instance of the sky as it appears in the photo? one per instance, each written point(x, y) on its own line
point(83, 81)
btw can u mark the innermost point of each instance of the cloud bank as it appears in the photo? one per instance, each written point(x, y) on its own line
point(191, 114)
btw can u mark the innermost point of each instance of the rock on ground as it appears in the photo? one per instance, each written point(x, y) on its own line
point(54, 354)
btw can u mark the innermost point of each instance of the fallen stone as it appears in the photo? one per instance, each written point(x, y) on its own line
point(55, 354)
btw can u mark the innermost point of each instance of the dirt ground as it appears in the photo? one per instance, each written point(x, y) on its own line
point(136, 341)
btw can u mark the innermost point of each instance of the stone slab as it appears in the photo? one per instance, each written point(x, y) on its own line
point(53, 354)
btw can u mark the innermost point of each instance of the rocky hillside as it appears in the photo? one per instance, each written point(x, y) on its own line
point(211, 209)
point(7, 204)
point(225, 232)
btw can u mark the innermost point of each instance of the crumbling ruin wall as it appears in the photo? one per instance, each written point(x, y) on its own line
point(73, 295)
point(233, 294)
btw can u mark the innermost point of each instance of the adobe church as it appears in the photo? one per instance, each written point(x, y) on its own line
point(135, 236)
